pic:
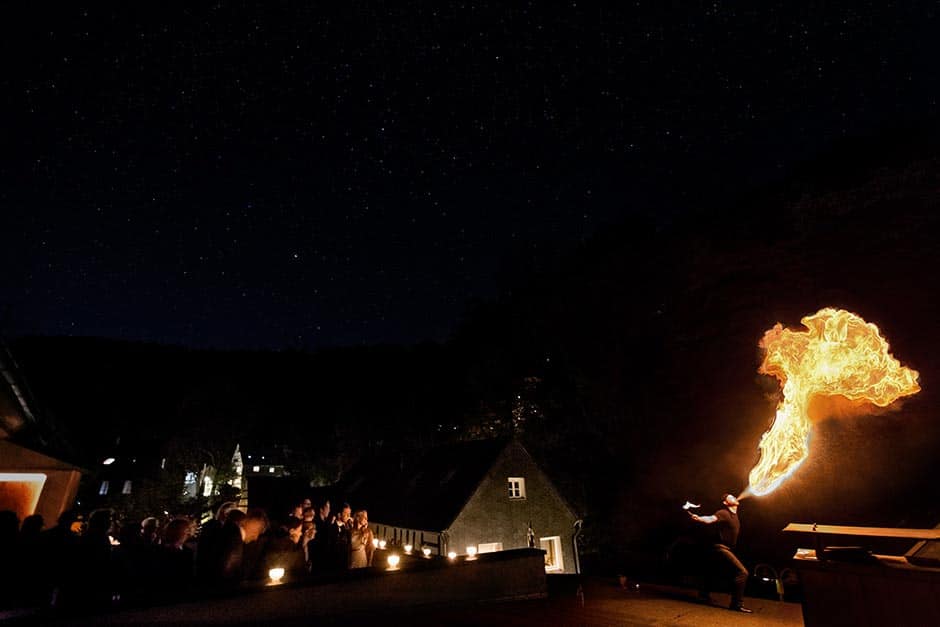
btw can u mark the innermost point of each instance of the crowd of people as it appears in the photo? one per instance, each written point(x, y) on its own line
point(98, 563)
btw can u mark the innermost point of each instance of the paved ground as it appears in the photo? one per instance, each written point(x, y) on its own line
point(605, 604)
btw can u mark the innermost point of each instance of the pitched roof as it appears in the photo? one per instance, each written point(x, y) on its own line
point(420, 491)
point(19, 458)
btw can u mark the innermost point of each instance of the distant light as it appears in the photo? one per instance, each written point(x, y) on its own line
point(256, 469)
point(451, 555)
point(108, 461)
point(408, 548)
point(276, 574)
point(114, 541)
point(471, 551)
point(765, 578)
point(382, 544)
point(393, 561)
point(426, 551)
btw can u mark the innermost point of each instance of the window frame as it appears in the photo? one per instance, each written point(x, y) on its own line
point(559, 563)
point(516, 488)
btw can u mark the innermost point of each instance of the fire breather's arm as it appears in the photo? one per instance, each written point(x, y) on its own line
point(703, 519)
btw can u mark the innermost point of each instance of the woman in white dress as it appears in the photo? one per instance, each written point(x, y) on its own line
point(360, 541)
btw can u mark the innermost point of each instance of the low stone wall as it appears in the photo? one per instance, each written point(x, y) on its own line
point(507, 575)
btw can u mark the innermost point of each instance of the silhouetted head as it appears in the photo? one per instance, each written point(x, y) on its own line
point(32, 525)
point(99, 523)
point(293, 527)
point(177, 532)
point(148, 529)
point(254, 524)
point(223, 510)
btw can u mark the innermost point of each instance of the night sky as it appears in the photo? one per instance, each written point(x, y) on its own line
point(308, 176)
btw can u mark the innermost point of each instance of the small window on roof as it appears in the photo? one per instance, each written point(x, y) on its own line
point(103, 490)
point(516, 487)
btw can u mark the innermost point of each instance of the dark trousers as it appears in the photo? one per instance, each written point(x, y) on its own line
point(721, 560)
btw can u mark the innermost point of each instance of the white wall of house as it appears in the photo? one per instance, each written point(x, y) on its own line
point(496, 513)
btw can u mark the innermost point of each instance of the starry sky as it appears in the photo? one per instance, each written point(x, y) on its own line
point(300, 175)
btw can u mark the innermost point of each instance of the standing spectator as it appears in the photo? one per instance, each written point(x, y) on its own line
point(94, 582)
point(28, 562)
point(241, 546)
point(57, 548)
point(255, 539)
point(344, 526)
point(209, 546)
point(284, 549)
point(320, 549)
point(175, 565)
point(360, 541)
point(9, 530)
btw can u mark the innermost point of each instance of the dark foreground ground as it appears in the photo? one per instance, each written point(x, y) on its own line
point(604, 603)
point(599, 602)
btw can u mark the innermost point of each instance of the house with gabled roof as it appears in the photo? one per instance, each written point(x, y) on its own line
point(478, 496)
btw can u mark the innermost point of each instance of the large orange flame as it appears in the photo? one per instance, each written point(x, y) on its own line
point(838, 355)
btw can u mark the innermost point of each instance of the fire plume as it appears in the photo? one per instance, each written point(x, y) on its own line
point(838, 355)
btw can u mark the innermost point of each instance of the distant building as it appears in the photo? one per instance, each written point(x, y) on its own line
point(31, 480)
point(132, 464)
point(489, 495)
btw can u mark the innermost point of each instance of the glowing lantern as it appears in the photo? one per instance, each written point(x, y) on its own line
point(393, 561)
point(408, 549)
point(451, 555)
point(471, 551)
point(426, 551)
point(276, 574)
point(381, 544)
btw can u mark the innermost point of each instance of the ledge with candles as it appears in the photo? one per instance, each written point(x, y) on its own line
point(395, 581)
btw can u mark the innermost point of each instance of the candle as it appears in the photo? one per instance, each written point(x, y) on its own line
point(276, 574)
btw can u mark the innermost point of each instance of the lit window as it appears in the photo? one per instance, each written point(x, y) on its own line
point(127, 487)
point(256, 469)
point(190, 478)
point(516, 487)
point(163, 463)
point(103, 490)
point(271, 469)
point(490, 547)
point(207, 486)
point(552, 547)
point(108, 461)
